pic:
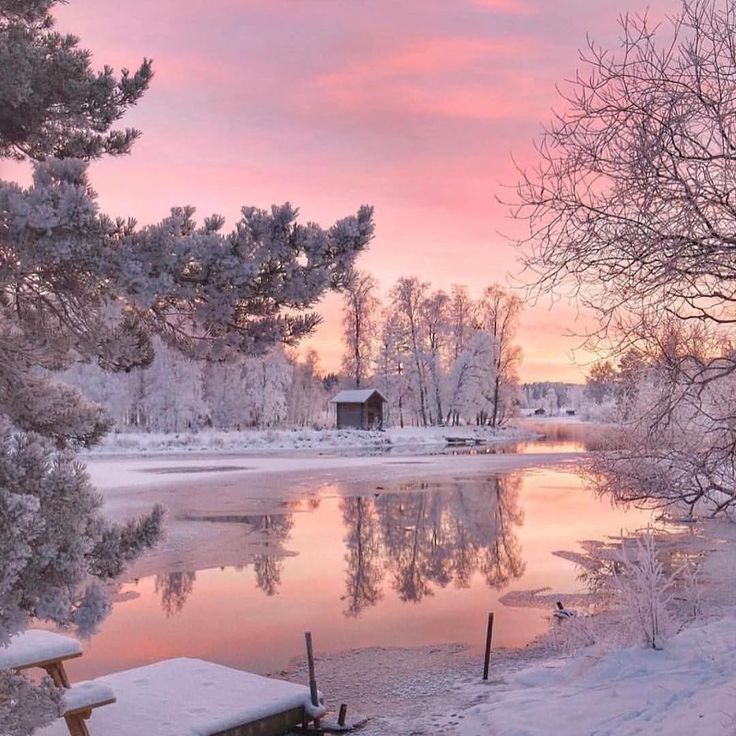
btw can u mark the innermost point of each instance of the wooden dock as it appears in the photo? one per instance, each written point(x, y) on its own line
point(464, 441)
point(191, 697)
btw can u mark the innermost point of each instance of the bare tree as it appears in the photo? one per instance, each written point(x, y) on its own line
point(360, 307)
point(461, 317)
point(630, 209)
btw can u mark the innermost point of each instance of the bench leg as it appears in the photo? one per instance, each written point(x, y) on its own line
point(76, 725)
point(58, 674)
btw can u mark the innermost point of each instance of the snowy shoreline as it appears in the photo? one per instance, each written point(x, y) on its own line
point(219, 442)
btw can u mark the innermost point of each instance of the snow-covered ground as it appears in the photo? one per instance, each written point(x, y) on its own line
point(689, 689)
point(253, 440)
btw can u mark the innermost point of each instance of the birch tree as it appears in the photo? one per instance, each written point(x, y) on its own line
point(407, 300)
point(498, 315)
point(435, 318)
point(359, 324)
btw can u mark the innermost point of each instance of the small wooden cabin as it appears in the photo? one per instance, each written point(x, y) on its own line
point(359, 409)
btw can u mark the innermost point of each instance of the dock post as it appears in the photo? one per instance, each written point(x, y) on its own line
point(314, 694)
point(489, 638)
point(343, 715)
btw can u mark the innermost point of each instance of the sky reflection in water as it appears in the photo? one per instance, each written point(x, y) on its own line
point(416, 567)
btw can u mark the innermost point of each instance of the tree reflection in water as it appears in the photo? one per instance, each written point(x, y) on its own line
point(421, 538)
point(269, 563)
point(432, 538)
point(269, 531)
point(175, 588)
point(364, 573)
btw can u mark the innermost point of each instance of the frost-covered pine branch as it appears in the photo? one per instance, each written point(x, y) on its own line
point(79, 286)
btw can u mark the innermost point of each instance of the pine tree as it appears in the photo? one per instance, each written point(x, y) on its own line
point(77, 285)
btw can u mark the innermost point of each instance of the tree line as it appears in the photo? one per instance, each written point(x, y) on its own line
point(438, 357)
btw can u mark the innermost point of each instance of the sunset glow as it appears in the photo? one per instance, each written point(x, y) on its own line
point(414, 107)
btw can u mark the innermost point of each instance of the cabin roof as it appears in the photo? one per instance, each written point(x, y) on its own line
point(356, 396)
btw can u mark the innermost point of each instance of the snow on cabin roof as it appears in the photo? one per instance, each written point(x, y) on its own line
point(356, 396)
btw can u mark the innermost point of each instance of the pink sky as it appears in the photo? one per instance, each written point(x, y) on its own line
point(413, 106)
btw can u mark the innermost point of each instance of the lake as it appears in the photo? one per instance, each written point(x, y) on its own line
point(410, 563)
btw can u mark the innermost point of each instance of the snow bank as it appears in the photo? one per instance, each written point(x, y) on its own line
point(688, 689)
point(296, 439)
point(188, 697)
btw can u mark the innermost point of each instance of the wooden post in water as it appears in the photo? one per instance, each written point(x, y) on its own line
point(314, 694)
point(343, 715)
point(489, 638)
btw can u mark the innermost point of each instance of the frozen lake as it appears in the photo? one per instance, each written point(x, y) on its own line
point(363, 556)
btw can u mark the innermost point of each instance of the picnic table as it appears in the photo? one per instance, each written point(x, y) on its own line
point(37, 648)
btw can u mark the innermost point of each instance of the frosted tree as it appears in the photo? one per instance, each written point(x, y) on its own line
point(390, 368)
point(600, 383)
point(307, 398)
point(498, 314)
point(228, 405)
point(674, 453)
point(644, 591)
point(407, 302)
point(472, 378)
point(360, 306)
point(435, 318)
point(173, 394)
point(77, 285)
point(266, 382)
point(551, 401)
point(462, 318)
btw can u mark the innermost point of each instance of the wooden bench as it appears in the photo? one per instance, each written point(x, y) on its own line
point(80, 700)
point(42, 649)
point(37, 648)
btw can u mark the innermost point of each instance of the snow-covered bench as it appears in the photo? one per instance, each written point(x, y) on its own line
point(191, 697)
point(43, 649)
point(46, 650)
point(79, 702)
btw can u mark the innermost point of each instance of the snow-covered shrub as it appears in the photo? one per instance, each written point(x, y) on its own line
point(645, 592)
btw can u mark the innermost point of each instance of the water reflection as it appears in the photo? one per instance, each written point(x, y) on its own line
point(174, 589)
point(420, 538)
point(364, 556)
point(411, 565)
point(437, 537)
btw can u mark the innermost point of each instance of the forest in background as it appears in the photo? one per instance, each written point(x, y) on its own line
point(439, 358)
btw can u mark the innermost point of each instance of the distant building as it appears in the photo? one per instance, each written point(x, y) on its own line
point(359, 409)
